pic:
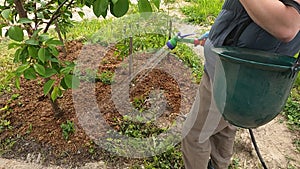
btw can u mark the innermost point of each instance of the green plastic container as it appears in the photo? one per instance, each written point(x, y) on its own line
point(251, 87)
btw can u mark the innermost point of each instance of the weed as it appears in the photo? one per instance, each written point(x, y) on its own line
point(172, 158)
point(131, 128)
point(29, 130)
point(6, 145)
point(235, 163)
point(91, 147)
point(138, 103)
point(15, 96)
point(106, 77)
point(68, 128)
point(292, 113)
point(4, 124)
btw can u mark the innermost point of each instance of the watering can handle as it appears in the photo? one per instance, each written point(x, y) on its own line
point(296, 66)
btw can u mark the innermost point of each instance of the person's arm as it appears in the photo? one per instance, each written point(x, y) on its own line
point(283, 22)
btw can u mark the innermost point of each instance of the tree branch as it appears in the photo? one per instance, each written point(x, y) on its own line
point(44, 7)
point(20, 9)
point(56, 14)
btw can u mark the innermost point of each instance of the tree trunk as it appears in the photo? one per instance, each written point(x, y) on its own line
point(23, 14)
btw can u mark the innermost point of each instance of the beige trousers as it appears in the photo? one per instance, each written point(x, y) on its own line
point(206, 134)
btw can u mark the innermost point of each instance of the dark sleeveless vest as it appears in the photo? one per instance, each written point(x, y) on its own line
point(232, 17)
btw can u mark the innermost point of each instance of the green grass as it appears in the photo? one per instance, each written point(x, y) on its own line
point(6, 66)
point(86, 28)
point(202, 12)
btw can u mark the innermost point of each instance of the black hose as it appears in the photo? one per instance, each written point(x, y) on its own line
point(257, 150)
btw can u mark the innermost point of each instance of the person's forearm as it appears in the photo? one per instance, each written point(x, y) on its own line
point(281, 21)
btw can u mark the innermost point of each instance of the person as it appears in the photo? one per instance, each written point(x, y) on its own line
point(267, 25)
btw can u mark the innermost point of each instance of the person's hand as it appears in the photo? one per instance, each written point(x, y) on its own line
point(203, 38)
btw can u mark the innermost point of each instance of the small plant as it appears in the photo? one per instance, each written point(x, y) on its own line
point(172, 158)
point(130, 128)
point(106, 77)
point(297, 144)
point(4, 124)
point(6, 145)
point(235, 163)
point(68, 128)
point(138, 103)
point(15, 96)
point(292, 113)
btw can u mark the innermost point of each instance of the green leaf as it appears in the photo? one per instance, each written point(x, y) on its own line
point(14, 45)
point(32, 42)
point(104, 14)
point(44, 37)
point(42, 54)
point(54, 50)
point(49, 72)
point(36, 32)
point(144, 6)
point(30, 74)
point(99, 7)
point(15, 33)
point(54, 42)
point(17, 55)
point(32, 51)
point(63, 84)
point(54, 93)
point(156, 3)
point(39, 69)
point(66, 70)
point(25, 20)
point(6, 13)
point(17, 83)
point(54, 60)
point(22, 68)
point(119, 8)
point(48, 86)
point(68, 80)
point(40, 15)
point(81, 14)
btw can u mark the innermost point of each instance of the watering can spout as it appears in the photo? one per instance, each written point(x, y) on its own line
point(172, 43)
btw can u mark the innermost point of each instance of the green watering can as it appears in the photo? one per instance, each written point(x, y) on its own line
point(251, 87)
